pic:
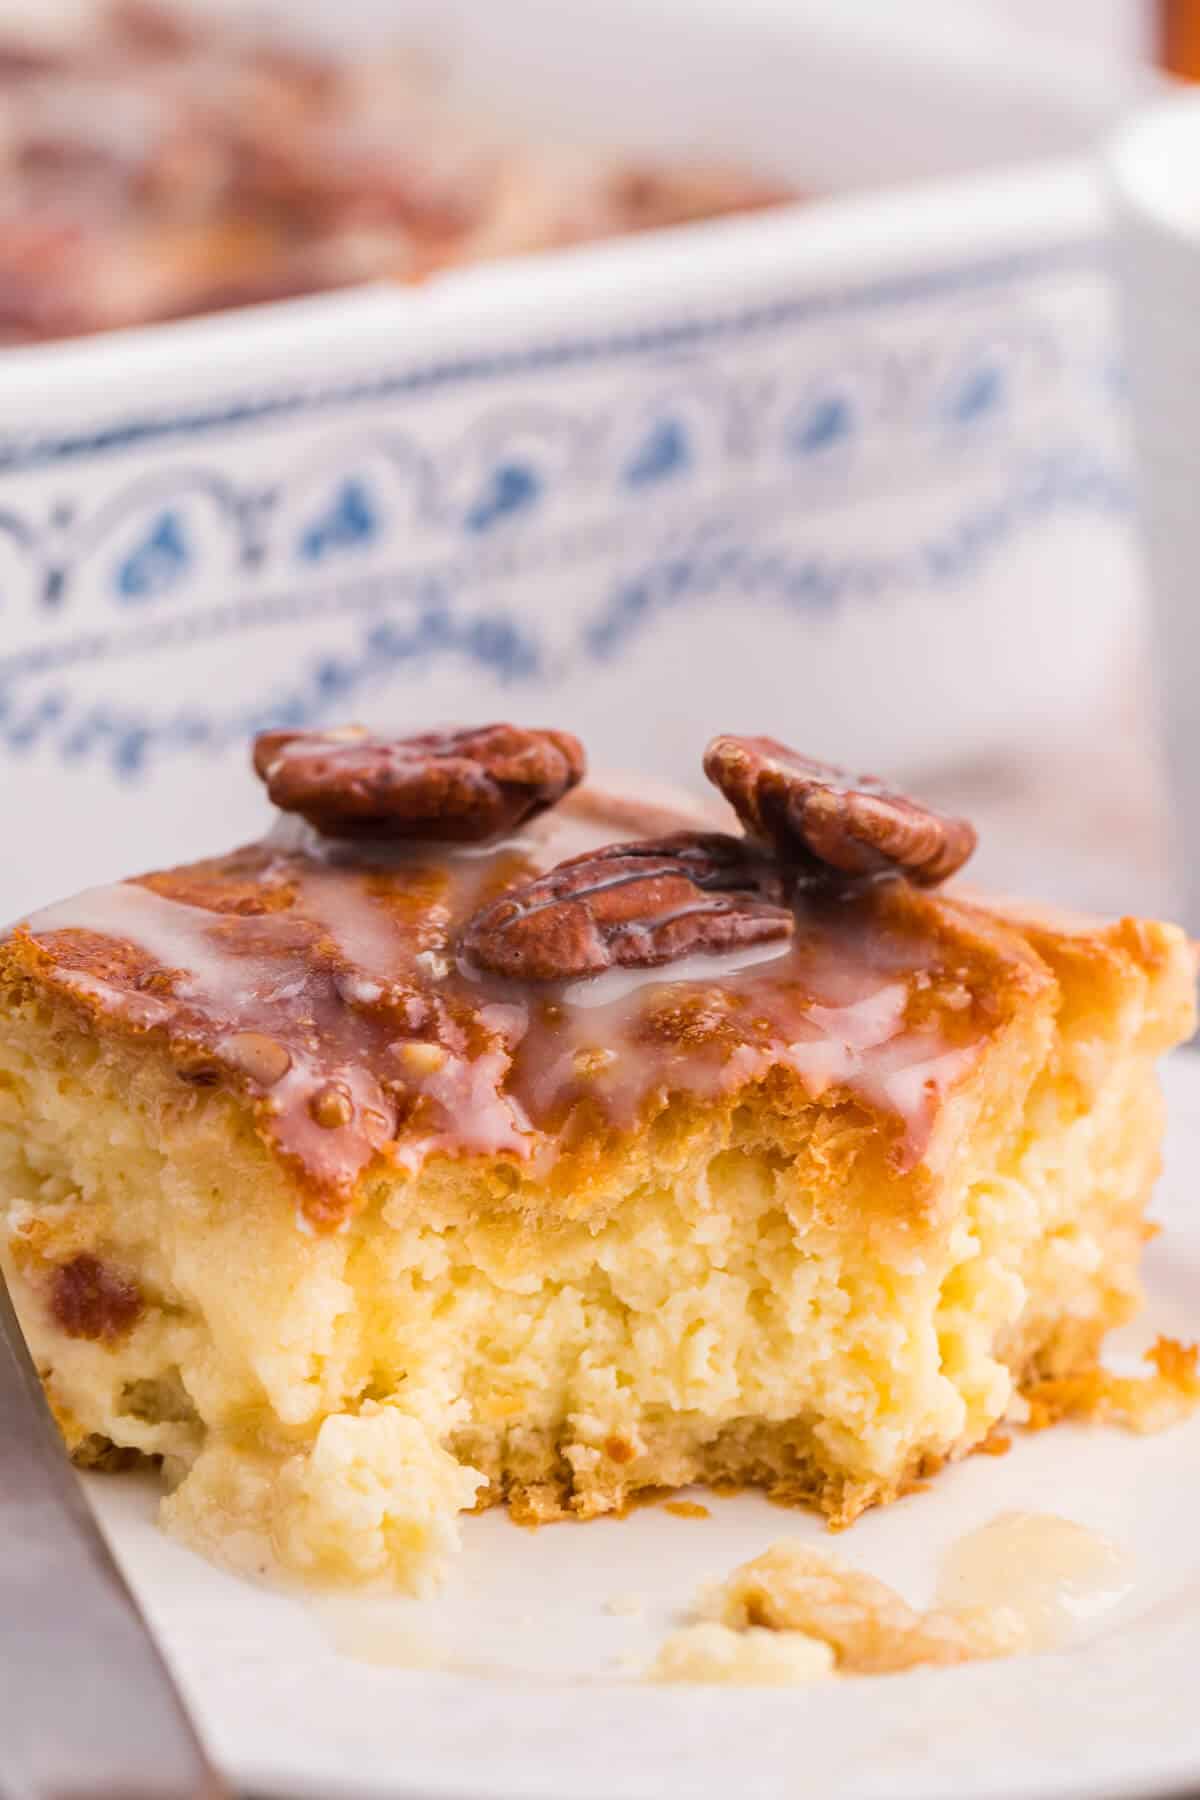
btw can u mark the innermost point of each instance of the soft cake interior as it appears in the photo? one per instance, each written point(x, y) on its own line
point(752, 1292)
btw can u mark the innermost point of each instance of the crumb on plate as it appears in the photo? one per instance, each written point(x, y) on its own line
point(1141, 1403)
point(866, 1625)
point(708, 1652)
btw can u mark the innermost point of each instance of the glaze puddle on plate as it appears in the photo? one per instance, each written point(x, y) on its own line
point(1059, 1578)
point(1062, 1579)
point(378, 1631)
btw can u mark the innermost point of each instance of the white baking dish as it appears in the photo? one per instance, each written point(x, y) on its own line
point(851, 473)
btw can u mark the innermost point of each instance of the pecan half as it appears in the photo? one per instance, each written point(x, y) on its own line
point(453, 785)
point(853, 823)
point(632, 906)
point(91, 1299)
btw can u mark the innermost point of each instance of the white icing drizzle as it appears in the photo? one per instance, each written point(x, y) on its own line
point(364, 931)
point(175, 935)
point(480, 1115)
point(616, 985)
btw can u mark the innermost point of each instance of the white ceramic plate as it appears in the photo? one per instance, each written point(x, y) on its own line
point(531, 1698)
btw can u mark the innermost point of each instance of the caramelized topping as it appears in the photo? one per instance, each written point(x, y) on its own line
point(632, 906)
point(854, 824)
point(345, 958)
point(383, 1001)
point(458, 786)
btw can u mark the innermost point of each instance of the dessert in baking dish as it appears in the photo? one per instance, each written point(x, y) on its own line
point(161, 164)
point(465, 1141)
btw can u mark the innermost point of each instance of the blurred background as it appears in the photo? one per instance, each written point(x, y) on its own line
point(447, 360)
point(1100, 813)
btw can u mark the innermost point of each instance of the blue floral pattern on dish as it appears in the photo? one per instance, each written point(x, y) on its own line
point(509, 651)
point(351, 521)
point(656, 489)
point(157, 563)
